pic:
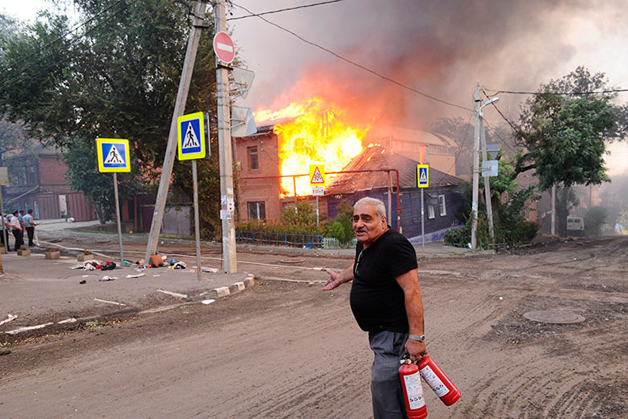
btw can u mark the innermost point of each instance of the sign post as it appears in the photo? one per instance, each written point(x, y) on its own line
point(114, 157)
point(422, 182)
point(317, 182)
point(192, 146)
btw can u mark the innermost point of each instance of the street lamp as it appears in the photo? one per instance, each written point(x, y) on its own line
point(476, 164)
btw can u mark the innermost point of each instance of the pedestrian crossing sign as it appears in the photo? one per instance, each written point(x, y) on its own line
point(317, 175)
point(191, 136)
point(113, 155)
point(422, 176)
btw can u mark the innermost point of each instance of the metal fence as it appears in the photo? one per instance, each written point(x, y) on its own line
point(308, 241)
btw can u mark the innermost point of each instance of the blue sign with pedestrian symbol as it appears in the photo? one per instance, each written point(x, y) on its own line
point(191, 133)
point(113, 155)
point(422, 176)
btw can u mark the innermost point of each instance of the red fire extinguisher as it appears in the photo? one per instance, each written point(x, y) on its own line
point(412, 390)
point(438, 381)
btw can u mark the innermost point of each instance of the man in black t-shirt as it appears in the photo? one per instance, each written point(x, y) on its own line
point(386, 302)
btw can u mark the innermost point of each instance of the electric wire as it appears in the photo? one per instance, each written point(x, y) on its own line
point(353, 62)
point(284, 10)
point(575, 93)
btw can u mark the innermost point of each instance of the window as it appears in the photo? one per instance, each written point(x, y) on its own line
point(443, 208)
point(430, 211)
point(253, 158)
point(257, 210)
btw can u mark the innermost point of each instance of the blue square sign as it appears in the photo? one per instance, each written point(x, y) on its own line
point(113, 155)
point(191, 134)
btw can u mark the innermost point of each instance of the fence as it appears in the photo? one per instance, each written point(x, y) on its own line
point(280, 239)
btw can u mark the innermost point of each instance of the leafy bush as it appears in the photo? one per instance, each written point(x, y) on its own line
point(594, 218)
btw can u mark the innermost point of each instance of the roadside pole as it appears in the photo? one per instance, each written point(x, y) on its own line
point(487, 184)
point(179, 108)
point(553, 210)
point(115, 193)
point(197, 227)
point(227, 203)
point(114, 156)
point(476, 170)
point(422, 222)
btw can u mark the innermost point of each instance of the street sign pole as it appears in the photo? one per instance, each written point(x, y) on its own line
point(229, 263)
point(115, 193)
point(317, 211)
point(197, 227)
point(422, 222)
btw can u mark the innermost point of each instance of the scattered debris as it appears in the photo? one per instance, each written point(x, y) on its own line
point(108, 278)
point(174, 294)
point(136, 276)
point(26, 329)
point(9, 318)
point(209, 270)
point(4, 352)
point(83, 282)
point(178, 265)
point(109, 302)
point(207, 302)
point(70, 320)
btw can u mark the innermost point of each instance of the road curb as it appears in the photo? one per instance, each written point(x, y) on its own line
point(212, 293)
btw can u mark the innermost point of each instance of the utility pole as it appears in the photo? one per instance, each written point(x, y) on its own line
point(227, 203)
point(476, 174)
point(179, 109)
point(553, 210)
point(487, 183)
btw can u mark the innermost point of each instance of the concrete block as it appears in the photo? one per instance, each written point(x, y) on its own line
point(53, 255)
point(80, 258)
point(222, 291)
point(24, 252)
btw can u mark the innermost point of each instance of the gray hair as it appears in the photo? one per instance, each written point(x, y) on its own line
point(380, 208)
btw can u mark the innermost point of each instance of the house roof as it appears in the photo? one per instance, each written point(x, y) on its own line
point(378, 158)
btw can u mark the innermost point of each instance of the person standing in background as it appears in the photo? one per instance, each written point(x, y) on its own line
point(18, 233)
point(29, 225)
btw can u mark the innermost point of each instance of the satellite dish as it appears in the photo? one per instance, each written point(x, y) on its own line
point(242, 81)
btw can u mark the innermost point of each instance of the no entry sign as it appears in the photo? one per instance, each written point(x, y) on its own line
point(224, 47)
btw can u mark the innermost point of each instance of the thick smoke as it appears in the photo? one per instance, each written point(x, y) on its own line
point(442, 48)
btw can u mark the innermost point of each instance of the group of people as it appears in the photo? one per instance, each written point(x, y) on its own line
point(18, 223)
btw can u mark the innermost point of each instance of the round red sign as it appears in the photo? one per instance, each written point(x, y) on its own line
point(224, 47)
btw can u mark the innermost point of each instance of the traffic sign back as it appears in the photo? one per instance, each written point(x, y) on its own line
point(113, 155)
point(191, 134)
point(422, 176)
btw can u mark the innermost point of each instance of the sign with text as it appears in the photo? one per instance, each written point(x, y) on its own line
point(113, 155)
point(191, 134)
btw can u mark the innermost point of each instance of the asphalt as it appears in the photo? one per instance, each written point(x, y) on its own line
point(37, 290)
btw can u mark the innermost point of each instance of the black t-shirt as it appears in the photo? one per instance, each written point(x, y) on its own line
point(377, 300)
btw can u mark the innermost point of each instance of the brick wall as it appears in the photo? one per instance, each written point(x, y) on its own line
point(258, 190)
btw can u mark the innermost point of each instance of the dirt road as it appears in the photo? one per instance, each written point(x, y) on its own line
point(289, 350)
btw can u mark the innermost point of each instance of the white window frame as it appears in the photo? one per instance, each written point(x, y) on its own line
point(430, 212)
point(442, 204)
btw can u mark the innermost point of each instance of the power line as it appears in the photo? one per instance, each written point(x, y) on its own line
point(512, 125)
point(353, 62)
point(575, 93)
point(283, 10)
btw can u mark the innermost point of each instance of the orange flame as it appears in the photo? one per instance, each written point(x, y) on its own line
point(318, 134)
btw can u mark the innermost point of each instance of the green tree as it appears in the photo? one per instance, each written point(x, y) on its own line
point(114, 76)
point(594, 218)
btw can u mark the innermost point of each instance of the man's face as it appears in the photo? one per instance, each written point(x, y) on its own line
point(367, 225)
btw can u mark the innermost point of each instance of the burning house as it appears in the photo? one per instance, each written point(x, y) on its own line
point(274, 167)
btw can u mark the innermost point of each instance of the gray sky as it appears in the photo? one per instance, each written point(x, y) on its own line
point(441, 48)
